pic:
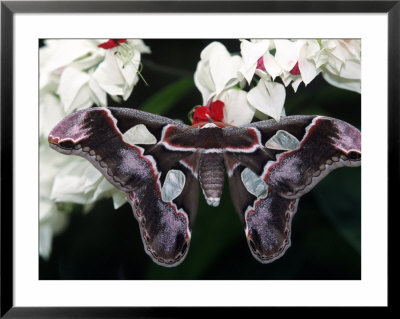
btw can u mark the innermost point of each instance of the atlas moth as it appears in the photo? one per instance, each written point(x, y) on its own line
point(269, 164)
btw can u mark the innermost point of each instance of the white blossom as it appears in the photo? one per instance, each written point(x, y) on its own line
point(254, 51)
point(118, 73)
point(56, 55)
point(297, 59)
point(341, 63)
point(216, 71)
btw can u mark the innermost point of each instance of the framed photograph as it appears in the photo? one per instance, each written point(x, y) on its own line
point(219, 155)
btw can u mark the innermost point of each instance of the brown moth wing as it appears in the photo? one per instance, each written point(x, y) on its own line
point(323, 145)
point(97, 135)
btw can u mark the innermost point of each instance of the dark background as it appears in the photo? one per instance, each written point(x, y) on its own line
point(326, 230)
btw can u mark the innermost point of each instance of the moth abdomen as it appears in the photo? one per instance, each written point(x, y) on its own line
point(211, 177)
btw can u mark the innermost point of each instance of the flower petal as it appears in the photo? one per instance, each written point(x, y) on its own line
point(237, 110)
point(139, 45)
point(119, 198)
point(287, 53)
point(48, 228)
point(268, 97)
point(271, 66)
point(50, 112)
point(201, 114)
point(217, 110)
point(342, 66)
point(251, 52)
point(347, 84)
point(109, 76)
point(296, 83)
point(204, 82)
point(224, 70)
point(99, 96)
point(59, 53)
point(351, 70)
point(73, 91)
point(308, 70)
point(129, 68)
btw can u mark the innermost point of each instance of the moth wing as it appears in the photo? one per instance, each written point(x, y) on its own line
point(163, 196)
point(128, 118)
point(267, 182)
point(266, 215)
point(323, 144)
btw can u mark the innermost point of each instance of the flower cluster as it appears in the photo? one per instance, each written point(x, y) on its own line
point(247, 85)
point(77, 74)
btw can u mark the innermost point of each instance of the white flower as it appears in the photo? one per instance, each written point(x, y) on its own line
point(59, 53)
point(118, 73)
point(297, 61)
point(82, 72)
point(292, 60)
point(216, 71)
point(56, 55)
point(287, 53)
point(341, 63)
point(256, 54)
point(308, 65)
point(268, 97)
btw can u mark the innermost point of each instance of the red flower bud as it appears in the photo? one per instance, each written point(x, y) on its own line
point(112, 43)
point(213, 112)
point(217, 110)
point(201, 114)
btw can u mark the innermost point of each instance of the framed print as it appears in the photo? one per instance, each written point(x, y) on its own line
point(216, 150)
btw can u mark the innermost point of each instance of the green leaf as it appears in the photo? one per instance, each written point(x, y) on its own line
point(165, 99)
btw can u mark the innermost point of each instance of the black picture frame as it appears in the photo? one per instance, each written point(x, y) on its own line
point(9, 8)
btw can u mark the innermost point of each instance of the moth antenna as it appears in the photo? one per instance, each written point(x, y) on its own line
point(200, 124)
point(223, 124)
